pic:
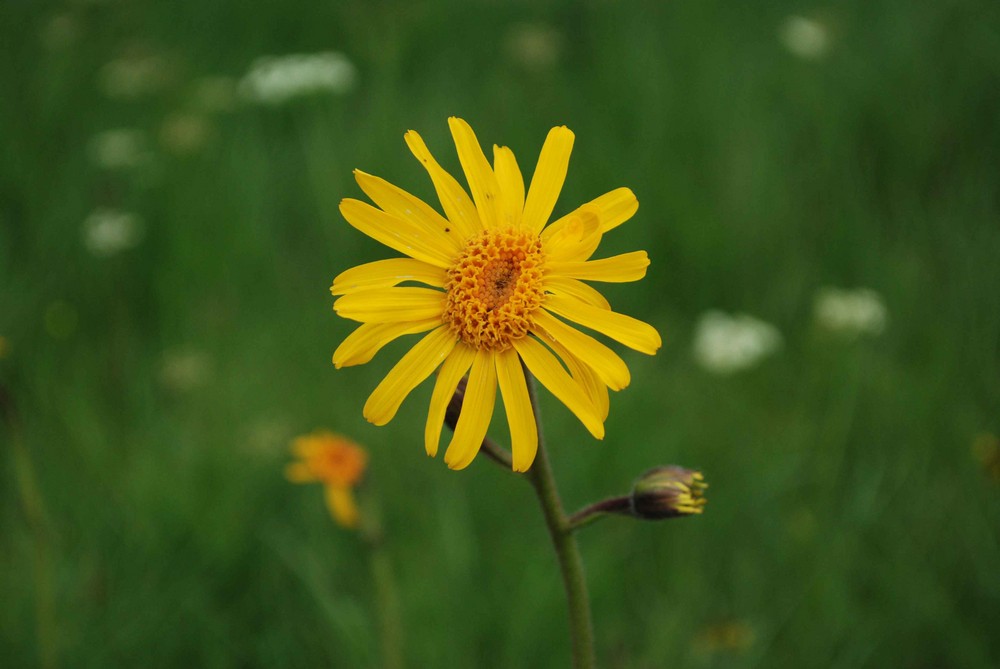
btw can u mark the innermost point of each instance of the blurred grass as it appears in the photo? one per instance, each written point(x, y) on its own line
point(848, 524)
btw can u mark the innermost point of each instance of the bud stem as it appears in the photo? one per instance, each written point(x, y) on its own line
point(567, 551)
point(597, 510)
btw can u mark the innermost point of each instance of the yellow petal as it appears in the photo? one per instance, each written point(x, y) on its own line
point(563, 285)
point(457, 204)
point(520, 414)
point(368, 339)
point(306, 446)
point(573, 237)
point(398, 234)
point(387, 273)
point(616, 269)
point(299, 472)
point(551, 374)
point(614, 208)
point(511, 185)
point(340, 502)
point(418, 363)
point(583, 374)
point(611, 369)
point(632, 332)
point(391, 305)
point(547, 181)
point(610, 210)
point(477, 410)
point(479, 174)
point(454, 368)
point(398, 202)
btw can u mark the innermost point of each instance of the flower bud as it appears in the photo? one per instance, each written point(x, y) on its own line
point(668, 492)
point(454, 409)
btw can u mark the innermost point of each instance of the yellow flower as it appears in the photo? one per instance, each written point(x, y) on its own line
point(498, 283)
point(336, 462)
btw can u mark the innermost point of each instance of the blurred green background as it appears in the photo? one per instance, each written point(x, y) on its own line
point(144, 518)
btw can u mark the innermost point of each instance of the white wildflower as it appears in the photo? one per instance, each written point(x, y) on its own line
point(122, 148)
point(806, 38)
point(60, 32)
point(850, 312)
point(724, 344)
point(275, 80)
point(184, 133)
point(185, 370)
point(268, 435)
point(133, 77)
point(534, 46)
point(109, 231)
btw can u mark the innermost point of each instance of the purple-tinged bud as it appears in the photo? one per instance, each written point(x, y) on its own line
point(668, 492)
point(454, 409)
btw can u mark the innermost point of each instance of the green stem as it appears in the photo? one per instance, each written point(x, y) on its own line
point(570, 563)
point(598, 510)
point(496, 453)
point(386, 597)
point(388, 608)
point(34, 511)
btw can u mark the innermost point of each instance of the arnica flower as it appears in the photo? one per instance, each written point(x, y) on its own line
point(336, 462)
point(498, 281)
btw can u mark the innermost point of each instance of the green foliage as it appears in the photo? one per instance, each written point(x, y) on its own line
point(847, 524)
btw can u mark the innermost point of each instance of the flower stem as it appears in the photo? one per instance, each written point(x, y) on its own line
point(570, 562)
point(388, 607)
point(35, 515)
point(496, 453)
point(597, 510)
point(386, 597)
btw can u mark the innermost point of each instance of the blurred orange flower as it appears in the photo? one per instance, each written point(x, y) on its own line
point(336, 462)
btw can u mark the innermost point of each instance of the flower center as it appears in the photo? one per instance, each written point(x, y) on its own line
point(493, 288)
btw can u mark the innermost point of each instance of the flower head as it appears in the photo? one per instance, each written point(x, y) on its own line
point(274, 80)
point(121, 148)
point(336, 462)
point(850, 312)
point(668, 492)
point(806, 38)
point(136, 74)
point(110, 231)
point(499, 283)
point(725, 344)
point(185, 370)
